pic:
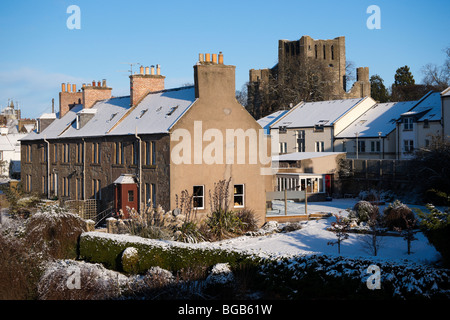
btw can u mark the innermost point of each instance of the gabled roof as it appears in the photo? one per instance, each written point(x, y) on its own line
point(382, 117)
point(428, 108)
point(266, 121)
point(156, 113)
point(309, 114)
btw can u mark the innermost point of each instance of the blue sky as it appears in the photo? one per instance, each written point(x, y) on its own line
point(39, 52)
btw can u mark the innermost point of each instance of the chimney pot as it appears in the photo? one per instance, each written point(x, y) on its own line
point(200, 57)
point(220, 57)
point(84, 85)
point(74, 88)
point(207, 57)
point(153, 69)
point(104, 83)
point(93, 83)
point(141, 69)
point(146, 71)
point(214, 58)
point(158, 69)
point(68, 87)
point(63, 87)
point(98, 84)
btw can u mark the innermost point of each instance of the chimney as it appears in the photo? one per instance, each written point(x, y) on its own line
point(214, 81)
point(92, 94)
point(143, 84)
point(68, 98)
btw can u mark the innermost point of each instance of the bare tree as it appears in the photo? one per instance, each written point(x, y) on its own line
point(437, 76)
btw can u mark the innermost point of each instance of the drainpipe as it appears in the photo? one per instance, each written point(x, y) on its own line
point(140, 170)
point(48, 167)
point(84, 169)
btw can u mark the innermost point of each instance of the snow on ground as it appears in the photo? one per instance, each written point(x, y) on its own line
point(313, 237)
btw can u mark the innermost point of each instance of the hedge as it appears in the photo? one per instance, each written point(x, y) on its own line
point(107, 249)
point(296, 277)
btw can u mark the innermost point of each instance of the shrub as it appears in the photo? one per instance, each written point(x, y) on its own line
point(362, 211)
point(248, 219)
point(54, 232)
point(396, 214)
point(20, 269)
point(435, 224)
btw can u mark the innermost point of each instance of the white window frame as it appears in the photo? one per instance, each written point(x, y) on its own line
point(239, 195)
point(202, 196)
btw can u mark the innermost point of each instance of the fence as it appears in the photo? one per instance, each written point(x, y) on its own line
point(363, 174)
point(86, 209)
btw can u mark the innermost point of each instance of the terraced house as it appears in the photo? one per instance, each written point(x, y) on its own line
point(150, 145)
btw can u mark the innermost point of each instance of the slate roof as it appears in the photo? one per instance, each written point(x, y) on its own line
point(156, 113)
point(324, 113)
point(382, 117)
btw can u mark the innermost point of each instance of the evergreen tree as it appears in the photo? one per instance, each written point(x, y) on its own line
point(403, 77)
point(378, 90)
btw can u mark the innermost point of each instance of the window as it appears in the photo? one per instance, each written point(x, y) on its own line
point(318, 128)
point(150, 154)
point(408, 145)
point(301, 140)
point(315, 50)
point(44, 153)
point(44, 185)
point(79, 189)
point(427, 143)
point(28, 182)
point(375, 146)
point(135, 152)
point(408, 124)
point(320, 146)
point(96, 153)
point(130, 195)
point(65, 153)
point(283, 147)
point(55, 153)
point(96, 189)
point(199, 197)
point(324, 52)
point(80, 153)
point(426, 123)
point(119, 153)
point(150, 193)
point(66, 187)
point(344, 146)
point(332, 52)
point(54, 184)
point(238, 196)
point(361, 146)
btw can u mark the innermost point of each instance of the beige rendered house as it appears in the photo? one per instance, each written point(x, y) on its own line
point(166, 141)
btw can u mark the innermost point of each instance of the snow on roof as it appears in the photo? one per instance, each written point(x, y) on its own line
point(381, 117)
point(125, 179)
point(48, 116)
point(9, 142)
point(157, 112)
point(297, 156)
point(446, 92)
point(268, 120)
point(308, 114)
point(430, 104)
point(106, 114)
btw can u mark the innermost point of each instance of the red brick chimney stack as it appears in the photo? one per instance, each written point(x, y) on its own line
point(68, 97)
point(95, 92)
point(143, 83)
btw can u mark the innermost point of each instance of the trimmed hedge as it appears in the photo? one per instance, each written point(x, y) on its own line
point(297, 277)
point(107, 249)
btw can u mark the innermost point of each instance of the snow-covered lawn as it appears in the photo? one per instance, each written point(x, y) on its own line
point(313, 237)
